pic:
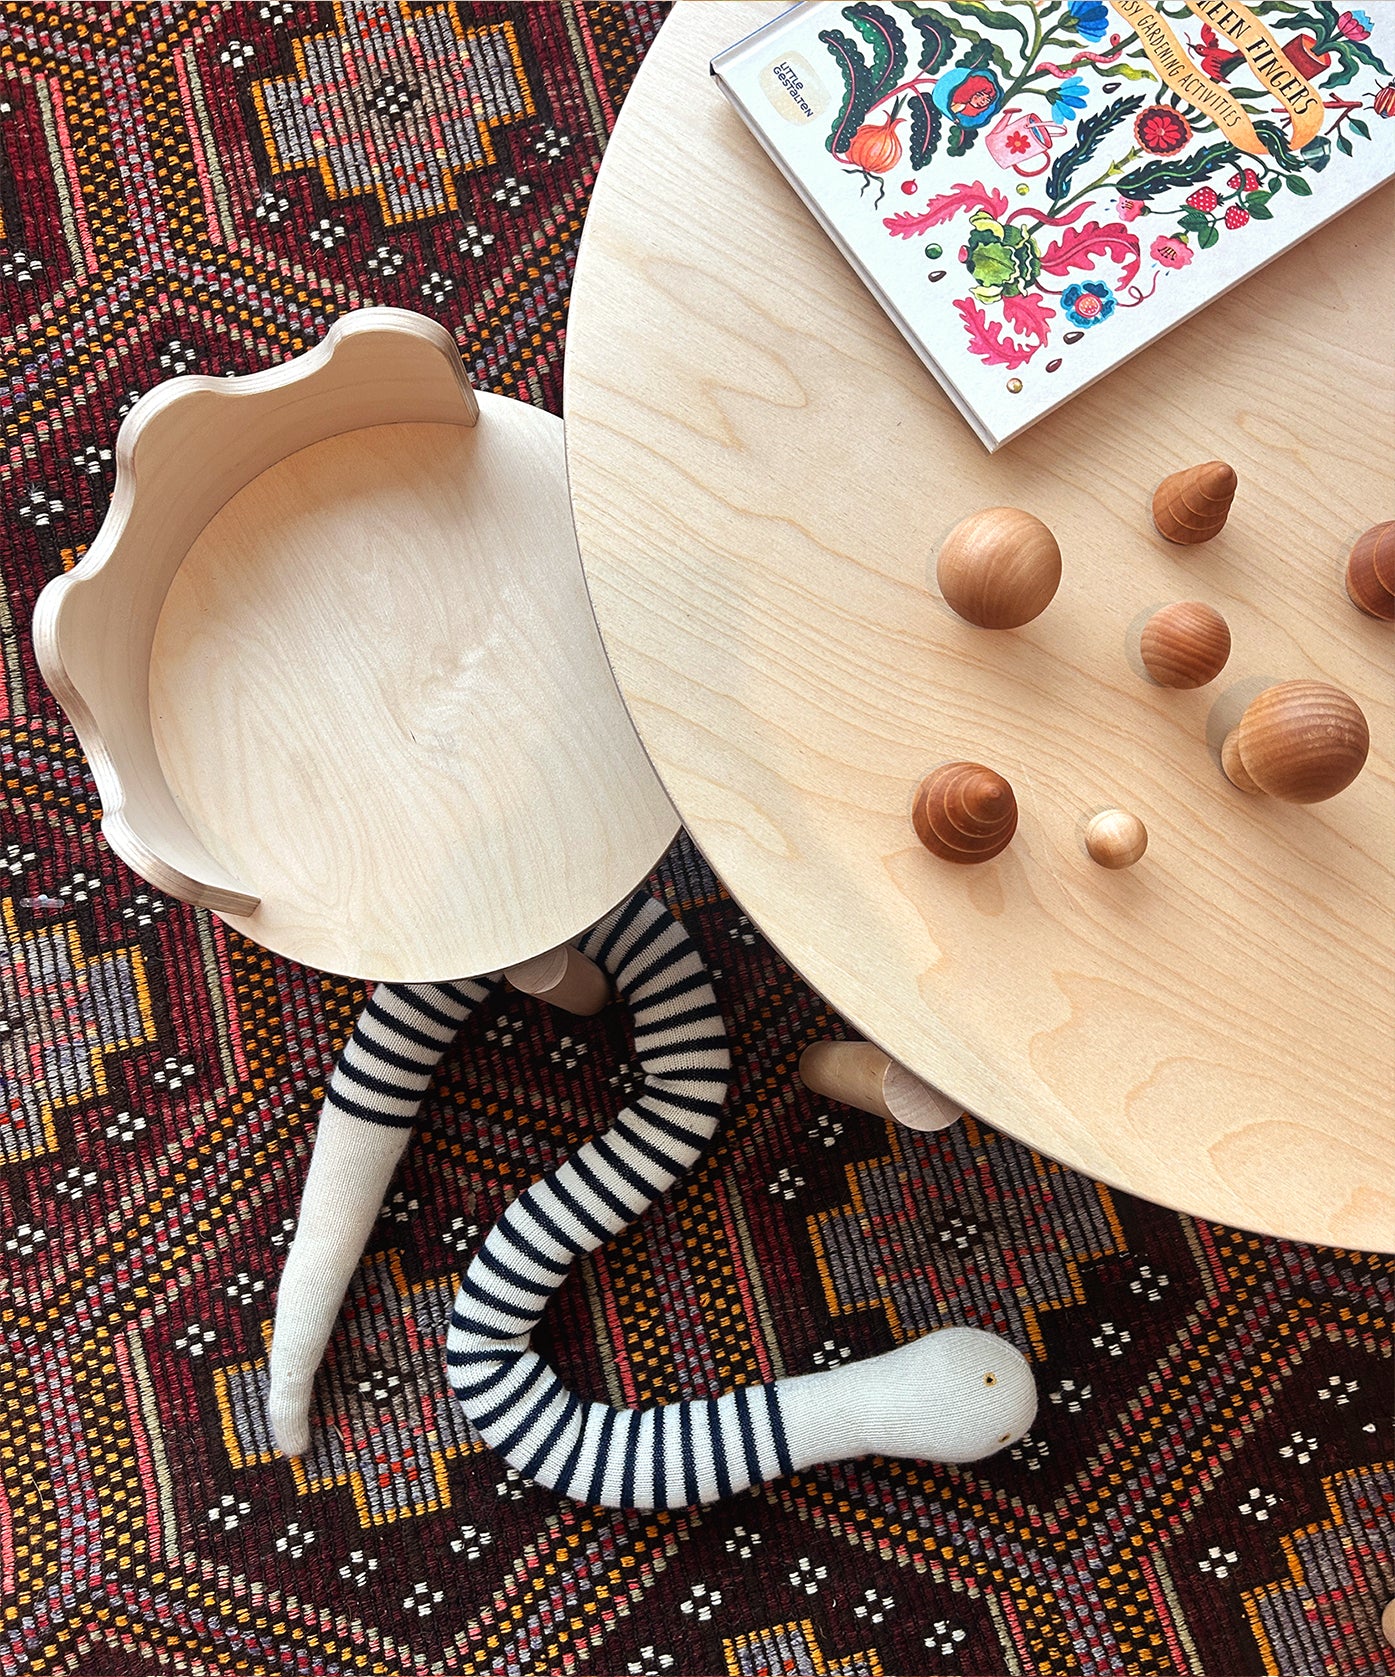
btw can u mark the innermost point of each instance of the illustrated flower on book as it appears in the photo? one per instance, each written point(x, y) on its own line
point(1171, 251)
point(1088, 304)
point(1162, 130)
point(1071, 98)
point(1091, 18)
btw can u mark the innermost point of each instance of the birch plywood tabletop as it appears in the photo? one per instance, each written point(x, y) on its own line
point(762, 473)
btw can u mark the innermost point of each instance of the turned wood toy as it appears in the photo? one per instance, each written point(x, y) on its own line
point(1185, 644)
point(999, 568)
point(1302, 742)
point(1193, 505)
point(1371, 571)
point(964, 812)
point(859, 1074)
point(1115, 838)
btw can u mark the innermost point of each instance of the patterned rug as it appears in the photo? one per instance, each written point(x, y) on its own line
point(1210, 1486)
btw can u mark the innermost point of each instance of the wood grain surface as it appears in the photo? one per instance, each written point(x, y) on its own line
point(762, 473)
point(332, 659)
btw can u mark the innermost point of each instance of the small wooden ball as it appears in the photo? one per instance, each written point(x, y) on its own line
point(1185, 645)
point(964, 812)
point(1371, 571)
point(999, 568)
point(1192, 506)
point(1115, 839)
point(1302, 742)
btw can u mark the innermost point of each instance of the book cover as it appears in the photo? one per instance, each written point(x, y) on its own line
point(1036, 189)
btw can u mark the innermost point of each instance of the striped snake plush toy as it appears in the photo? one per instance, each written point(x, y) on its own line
point(955, 1395)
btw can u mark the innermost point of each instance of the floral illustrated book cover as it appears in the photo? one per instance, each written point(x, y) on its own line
point(1036, 189)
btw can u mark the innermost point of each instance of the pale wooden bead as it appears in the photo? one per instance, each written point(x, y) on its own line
point(1185, 644)
point(964, 812)
point(1371, 571)
point(1115, 838)
point(1192, 506)
point(999, 568)
point(1301, 741)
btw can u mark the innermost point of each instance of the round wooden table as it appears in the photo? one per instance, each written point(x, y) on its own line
point(762, 472)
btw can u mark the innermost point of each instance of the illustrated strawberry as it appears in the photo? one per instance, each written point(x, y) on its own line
point(1249, 179)
point(1236, 217)
point(1203, 199)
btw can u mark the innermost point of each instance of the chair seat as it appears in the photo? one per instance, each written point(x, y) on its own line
point(364, 711)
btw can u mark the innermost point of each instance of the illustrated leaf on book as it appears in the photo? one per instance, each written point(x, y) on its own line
point(1081, 245)
point(863, 83)
point(936, 44)
point(1087, 139)
point(944, 207)
point(1027, 315)
point(1167, 172)
point(1316, 155)
point(925, 127)
point(991, 20)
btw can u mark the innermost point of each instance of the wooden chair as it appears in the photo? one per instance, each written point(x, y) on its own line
point(333, 663)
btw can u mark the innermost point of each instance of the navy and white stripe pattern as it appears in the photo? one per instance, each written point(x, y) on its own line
point(397, 1043)
point(955, 1395)
point(664, 1456)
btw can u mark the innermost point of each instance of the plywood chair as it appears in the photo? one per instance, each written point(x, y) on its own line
point(333, 663)
point(334, 667)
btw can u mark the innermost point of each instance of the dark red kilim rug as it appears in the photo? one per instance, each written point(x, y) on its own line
point(1210, 1487)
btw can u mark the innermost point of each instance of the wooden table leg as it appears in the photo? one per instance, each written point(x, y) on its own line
point(565, 978)
point(859, 1074)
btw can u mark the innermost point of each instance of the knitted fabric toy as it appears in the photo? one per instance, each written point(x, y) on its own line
point(955, 1395)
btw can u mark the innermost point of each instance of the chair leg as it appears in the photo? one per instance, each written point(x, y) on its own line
point(565, 978)
point(859, 1074)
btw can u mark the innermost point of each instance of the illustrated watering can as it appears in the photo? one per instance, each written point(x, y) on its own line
point(1019, 136)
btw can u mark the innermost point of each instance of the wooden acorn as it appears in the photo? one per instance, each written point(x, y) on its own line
point(1115, 838)
point(1185, 644)
point(1302, 742)
point(1193, 505)
point(999, 568)
point(1371, 571)
point(964, 812)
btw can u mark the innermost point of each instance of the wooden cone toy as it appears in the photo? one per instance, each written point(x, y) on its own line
point(1193, 505)
point(964, 812)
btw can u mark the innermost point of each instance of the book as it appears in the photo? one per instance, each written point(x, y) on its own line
point(1036, 189)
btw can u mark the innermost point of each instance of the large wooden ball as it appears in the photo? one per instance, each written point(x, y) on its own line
point(1371, 571)
point(1185, 644)
point(999, 568)
point(964, 812)
point(1302, 741)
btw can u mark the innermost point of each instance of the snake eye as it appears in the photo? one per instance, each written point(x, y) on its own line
point(1006, 1438)
point(990, 1379)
